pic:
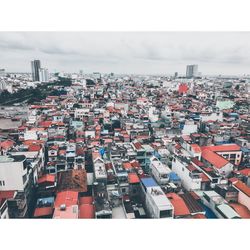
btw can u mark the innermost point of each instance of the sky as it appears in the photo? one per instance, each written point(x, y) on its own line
point(226, 53)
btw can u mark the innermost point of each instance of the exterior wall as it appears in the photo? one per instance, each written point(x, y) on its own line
point(12, 174)
point(228, 156)
point(244, 199)
point(189, 128)
point(212, 117)
point(187, 182)
point(226, 170)
point(4, 211)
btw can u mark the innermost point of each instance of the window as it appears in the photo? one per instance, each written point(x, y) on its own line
point(24, 178)
point(2, 183)
point(165, 213)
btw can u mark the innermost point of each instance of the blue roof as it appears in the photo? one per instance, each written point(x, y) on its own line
point(245, 150)
point(173, 176)
point(148, 182)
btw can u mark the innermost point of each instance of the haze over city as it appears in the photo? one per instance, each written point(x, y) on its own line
point(127, 52)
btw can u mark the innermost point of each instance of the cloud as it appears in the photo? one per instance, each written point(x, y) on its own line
point(122, 52)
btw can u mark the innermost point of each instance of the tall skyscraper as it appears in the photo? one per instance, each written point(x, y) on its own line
point(35, 66)
point(43, 75)
point(192, 71)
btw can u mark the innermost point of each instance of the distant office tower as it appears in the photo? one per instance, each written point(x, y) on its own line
point(2, 71)
point(35, 66)
point(43, 75)
point(192, 71)
point(176, 74)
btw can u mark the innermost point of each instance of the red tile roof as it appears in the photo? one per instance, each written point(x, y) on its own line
point(7, 144)
point(127, 165)
point(223, 148)
point(204, 178)
point(86, 200)
point(30, 142)
point(242, 187)
point(197, 162)
point(245, 171)
point(86, 211)
point(213, 158)
point(47, 178)
point(199, 216)
point(6, 195)
point(34, 147)
point(180, 207)
point(196, 148)
point(133, 178)
point(43, 211)
point(137, 145)
point(241, 210)
point(68, 198)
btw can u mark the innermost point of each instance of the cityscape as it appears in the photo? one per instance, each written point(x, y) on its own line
point(94, 145)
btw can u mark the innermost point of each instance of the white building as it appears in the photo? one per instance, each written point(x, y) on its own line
point(13, 173)
point(190, 177)
point(99, 170)
point(159, 171)
point(189, 128)
point(43, 75)
point(158, 204)
point(211, 116)
point(218, 205)
point(192, 71)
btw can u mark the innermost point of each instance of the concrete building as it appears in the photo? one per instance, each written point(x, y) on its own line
point(35, 67)
point(13, 173)
point(192, 71)
point(43, 75)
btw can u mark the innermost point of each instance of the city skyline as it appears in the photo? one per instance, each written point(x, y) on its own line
point(224, 53)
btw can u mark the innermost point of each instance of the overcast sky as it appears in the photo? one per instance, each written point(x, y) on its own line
point(127, 52)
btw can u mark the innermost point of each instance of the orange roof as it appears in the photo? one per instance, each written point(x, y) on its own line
point(137, 145)
point(180, 207)
point(68, 198)
point(214, 158)
point(45, 124)
point(135, 164)
point(6, 195)
point(127, 165)
point(223, 148)
point(86, 211)
point(245, 171)
point(37, 129)
point(43, 211)
point(199, 216)
point(34, 147)
point(204, 178)
point(86, 200)
point(196, 148)
point(62, 152)
point(133, 178)
point(69, 213)
point(47, 178)
point(241, 210)
point(242, 187)
point(7, 144)
point(30, 142)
